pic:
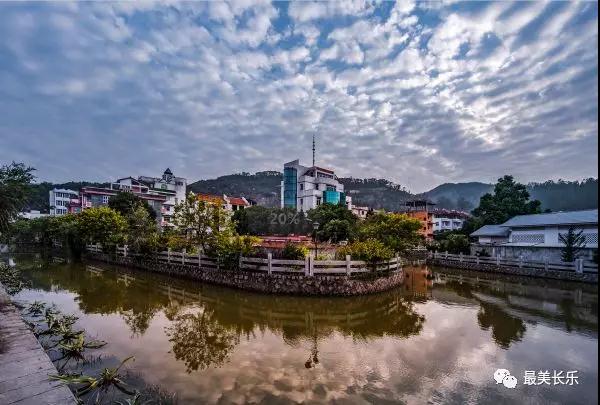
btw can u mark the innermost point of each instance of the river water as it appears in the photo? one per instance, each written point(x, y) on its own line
point(437, 339)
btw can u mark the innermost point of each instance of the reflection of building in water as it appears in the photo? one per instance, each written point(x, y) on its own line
point(417, 281)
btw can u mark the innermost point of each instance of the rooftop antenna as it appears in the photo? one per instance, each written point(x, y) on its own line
point(313, 149)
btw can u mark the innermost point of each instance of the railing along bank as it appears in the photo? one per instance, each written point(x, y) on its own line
point(309, 266)
point(578, 266)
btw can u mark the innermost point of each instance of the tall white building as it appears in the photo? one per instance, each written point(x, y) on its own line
point(448, 220)
point(304, 188)
point(63, 201)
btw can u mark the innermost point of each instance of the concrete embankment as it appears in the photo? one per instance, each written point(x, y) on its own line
point(295, 284)
point(24, 365)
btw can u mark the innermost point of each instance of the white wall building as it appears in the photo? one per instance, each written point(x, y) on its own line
point(61, 200)
point(537, 237)
point(304, 188)
point(448, 220)
point(360, 212)
point(170, 186)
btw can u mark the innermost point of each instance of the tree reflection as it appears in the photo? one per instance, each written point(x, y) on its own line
point(505, 328)
point(200, 340)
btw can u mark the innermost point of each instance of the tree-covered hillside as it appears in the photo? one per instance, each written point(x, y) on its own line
point(264, 188)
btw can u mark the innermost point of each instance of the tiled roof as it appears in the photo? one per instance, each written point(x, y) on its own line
point(216, 199)
point(491, 230)
point(554, 218)
point(237, 201)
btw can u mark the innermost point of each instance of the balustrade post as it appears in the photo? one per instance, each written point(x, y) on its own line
point(446, 256)
point(461, 257)
point(183, 253)
point(269, 262)
point(306, 265)
point(169, 255)
point(546, 264)
point(199, 259)
point(348, 265)
point(498, 260)
point(520, 261)
point(125, 250)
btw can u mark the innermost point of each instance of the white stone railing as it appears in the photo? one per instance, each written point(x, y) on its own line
point(309, 266)
point(578, 266)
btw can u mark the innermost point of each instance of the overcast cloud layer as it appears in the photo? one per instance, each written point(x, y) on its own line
point(419, 94)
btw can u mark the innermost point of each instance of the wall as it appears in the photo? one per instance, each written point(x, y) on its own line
point(552, 254)
point(491, 268)
point(322, 285)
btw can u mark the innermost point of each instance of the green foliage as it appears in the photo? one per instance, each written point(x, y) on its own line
point(574, 242)
point(294, 251)
point(453, 242)
point(201, 222)
point(126, 203)
point(370, 250)
point(509, 199)
point(14, 191)
point(398, 232)
point(229, 248)
point(109, 377)
point(11, 279)
point(142, 234)
point(336, 222)
point(101, 225)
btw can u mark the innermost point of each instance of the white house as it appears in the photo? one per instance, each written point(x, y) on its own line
point(62, 201)
point(448, 220)
point(537, 237)
point(304, 188)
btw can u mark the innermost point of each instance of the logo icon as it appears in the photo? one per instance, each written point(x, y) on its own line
point(502, 376)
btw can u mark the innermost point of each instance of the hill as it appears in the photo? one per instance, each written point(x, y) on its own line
point(263, 187)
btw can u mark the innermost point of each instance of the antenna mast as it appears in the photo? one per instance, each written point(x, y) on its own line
point(313, 149)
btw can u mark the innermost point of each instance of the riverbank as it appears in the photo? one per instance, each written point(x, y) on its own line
point(269, 283)
point(491, 268)
point(24, 365)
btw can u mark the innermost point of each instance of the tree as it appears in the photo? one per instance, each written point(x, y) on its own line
point(343, 226)
point(202, 222)
point(509, 199)
point(125, 203)
point(574, 242)
point(15, 180)
point(398, 232)
point(101, 225)
point(370, 250)
point(142, 235)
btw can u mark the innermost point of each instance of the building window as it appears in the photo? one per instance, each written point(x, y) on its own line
point(301, 201)
point(301, 186)
point(105, 199)
point(290, 184)
point(528, 238)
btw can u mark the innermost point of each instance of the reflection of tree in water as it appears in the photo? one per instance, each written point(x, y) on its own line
point(137, 321)
point(200, 340)
point(505, 328)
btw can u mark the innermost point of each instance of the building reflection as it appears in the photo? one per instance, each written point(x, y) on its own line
point(206, 322)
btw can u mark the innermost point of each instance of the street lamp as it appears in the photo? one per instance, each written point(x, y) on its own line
point(315, 228)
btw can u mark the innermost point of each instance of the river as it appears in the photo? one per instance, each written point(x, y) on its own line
point(437, 339)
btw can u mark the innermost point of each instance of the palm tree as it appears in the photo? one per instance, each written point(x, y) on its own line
point(574, 242)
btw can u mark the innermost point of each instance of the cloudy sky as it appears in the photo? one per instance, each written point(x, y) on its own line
point(417, 93)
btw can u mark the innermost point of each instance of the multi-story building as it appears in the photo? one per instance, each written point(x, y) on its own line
point(421, 210)
point(63, 201)
point(448, 220)
point(161, 193)
point(304, 188)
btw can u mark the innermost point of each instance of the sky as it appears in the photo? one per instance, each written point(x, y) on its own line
point(420, 94)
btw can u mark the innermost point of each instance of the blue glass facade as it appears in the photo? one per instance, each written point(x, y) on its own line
point(290, 181)
point(331, 197)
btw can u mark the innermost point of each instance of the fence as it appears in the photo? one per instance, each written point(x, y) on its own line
point(578, 266)
point(309, 266)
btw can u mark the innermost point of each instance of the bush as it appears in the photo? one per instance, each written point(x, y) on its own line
point(371, 251)
point(293, 251)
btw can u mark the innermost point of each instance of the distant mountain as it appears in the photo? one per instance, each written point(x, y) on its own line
point(461, 196)
point(264, 188)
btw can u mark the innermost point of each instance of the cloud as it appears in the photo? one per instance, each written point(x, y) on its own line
point(417, 94)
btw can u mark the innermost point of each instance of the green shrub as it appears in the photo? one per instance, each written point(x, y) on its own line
point(371, 251)
point(293, 251)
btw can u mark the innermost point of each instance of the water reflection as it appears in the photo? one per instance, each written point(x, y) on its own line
point(435, 329)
